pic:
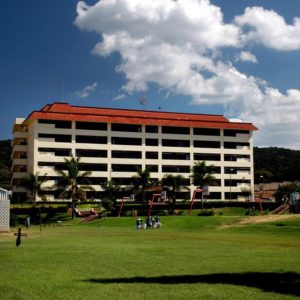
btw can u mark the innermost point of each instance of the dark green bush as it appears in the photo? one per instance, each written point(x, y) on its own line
point(13, 220)
point(206, 213)
point(251, 212)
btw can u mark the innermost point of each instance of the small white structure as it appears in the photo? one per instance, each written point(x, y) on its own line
point(4, 209)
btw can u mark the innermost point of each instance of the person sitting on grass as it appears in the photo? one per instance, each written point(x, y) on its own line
point(156, 222)
point(148, 222)
point(139, 223)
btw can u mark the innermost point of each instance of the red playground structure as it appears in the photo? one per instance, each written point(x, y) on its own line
point(151, 202)
point(193, 198)
point(124, 199)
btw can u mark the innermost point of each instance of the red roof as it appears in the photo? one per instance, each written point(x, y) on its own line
point(64, 111)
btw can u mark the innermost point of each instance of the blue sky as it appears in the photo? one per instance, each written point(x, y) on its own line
point(237, 58)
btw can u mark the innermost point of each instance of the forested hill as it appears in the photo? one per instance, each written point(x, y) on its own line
point(277, 164)
point(5, 163)
point(274, 164)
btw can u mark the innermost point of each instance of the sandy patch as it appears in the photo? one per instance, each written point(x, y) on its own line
point(265, 219)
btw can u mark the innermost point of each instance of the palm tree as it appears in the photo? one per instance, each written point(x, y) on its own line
point(73, 182)
point(173, 184)
point(33, 184)
point(246, 192)
point(141, 182)
point(202, 176)
point(110, 190)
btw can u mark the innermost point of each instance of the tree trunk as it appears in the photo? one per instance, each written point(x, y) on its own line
point(34, 199)
point(73, 209)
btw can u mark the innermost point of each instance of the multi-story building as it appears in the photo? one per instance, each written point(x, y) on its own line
point(113, 143)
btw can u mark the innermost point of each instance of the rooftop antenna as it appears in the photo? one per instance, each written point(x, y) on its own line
point(62, 89)
point(143, 101)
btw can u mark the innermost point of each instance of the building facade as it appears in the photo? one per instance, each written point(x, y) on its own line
point(113, 143)
point(4, 209)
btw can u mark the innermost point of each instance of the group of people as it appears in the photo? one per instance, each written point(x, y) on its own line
point(150, 222)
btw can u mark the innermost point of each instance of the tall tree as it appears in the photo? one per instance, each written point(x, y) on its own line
point(173, 184)
point(284, 191)
point(141, 181)
point(73, 183)
point(202, 176)
point(110, 192)
point(33, 184)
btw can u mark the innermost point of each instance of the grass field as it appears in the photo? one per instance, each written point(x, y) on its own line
point(188, 258)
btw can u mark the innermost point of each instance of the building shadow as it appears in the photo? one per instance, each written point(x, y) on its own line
point(282, 283)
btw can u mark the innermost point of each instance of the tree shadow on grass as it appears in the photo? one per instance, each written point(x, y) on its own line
point(282, 283)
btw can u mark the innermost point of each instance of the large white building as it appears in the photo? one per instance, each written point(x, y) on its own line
point(113, 143)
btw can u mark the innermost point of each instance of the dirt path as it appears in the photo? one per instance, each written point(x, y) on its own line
point(263, 219)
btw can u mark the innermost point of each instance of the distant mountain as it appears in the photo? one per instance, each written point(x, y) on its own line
point(5, 164)
point(276, 164)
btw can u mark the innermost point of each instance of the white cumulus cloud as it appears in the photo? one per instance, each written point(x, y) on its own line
point(247, 56)
point(178, 46)
point(270, 29)
point(119, 97)
point(87, 91)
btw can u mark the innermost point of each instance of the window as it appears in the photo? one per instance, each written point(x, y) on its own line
point(235, 145)
point(125, 168)
point(183, 195)
point(234, 157)
point(217, 182)
point(151, 155)
point(234, 132)
point(186, 181)
point(207, 131)
point(91, 126)
point(54, 178)
point(152, 168)
point(207, 156)
point(235, 182)
point(232, 195)
point(214, 196)
point(214, 169)
point(122, 181)
point(207, 144)
point(55, 151)
point(151, 142)
point(22, 142)
point(151, 129)
point(175, 169)
point(235, 170)
point(126, 141)
point(85, 139)
point(91, 153)
point(175, 143)
point(126, 154)
point(175, 156)
point(80, 180)
point(92, 180)
point(57, 123)
point(82, 166)
point(126, 127)
point(57, 165)
point(92, 167)
point(59, 138)
point(175, 130)
point(230, 157)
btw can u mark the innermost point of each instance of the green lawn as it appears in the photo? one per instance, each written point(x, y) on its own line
point(188, 258)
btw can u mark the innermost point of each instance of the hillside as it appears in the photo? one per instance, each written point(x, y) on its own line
point(5, 163)
point(277, 164)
